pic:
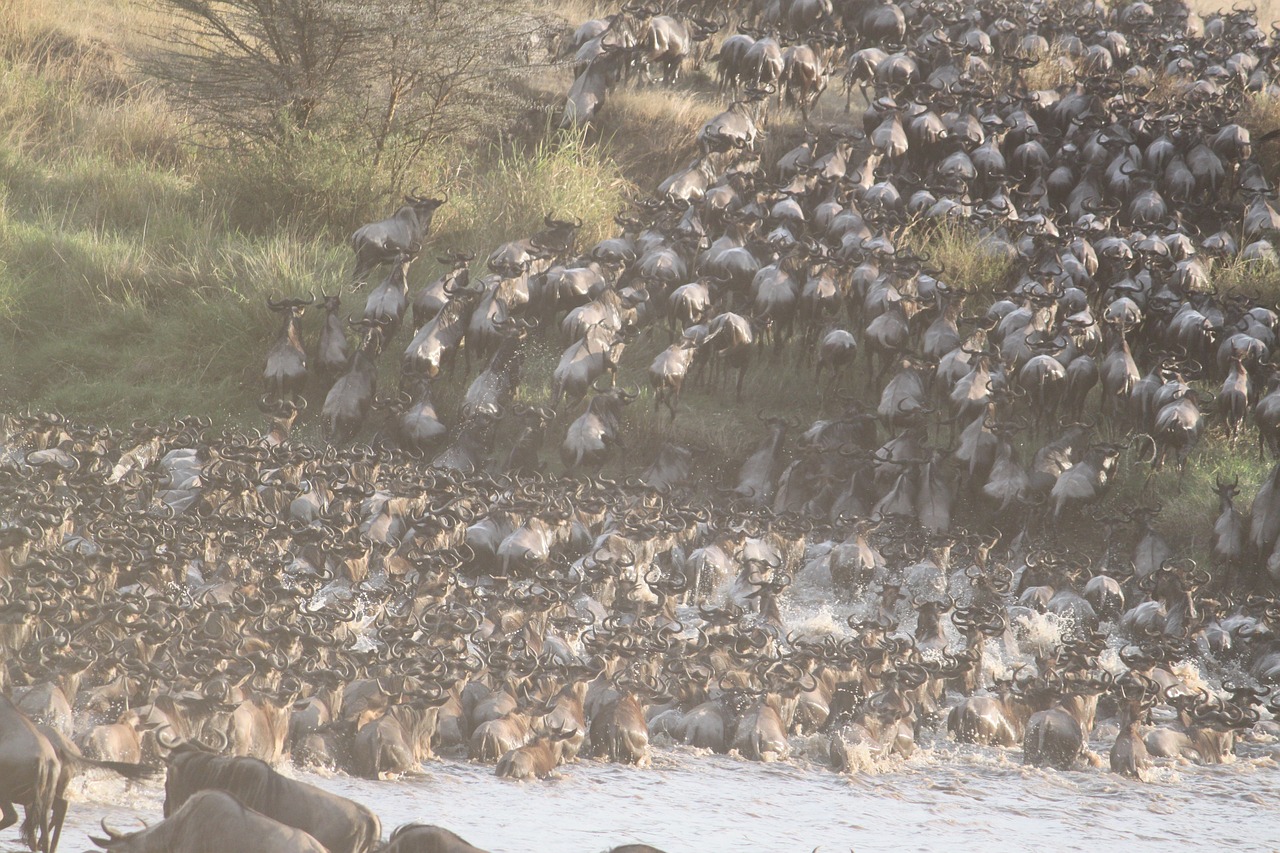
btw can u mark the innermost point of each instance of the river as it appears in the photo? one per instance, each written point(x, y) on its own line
point(945, 797)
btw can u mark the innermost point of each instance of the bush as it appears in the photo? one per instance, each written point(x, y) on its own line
point(313, 183)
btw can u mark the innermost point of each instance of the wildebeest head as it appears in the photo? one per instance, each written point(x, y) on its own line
point(557, 235)
point(423, 205)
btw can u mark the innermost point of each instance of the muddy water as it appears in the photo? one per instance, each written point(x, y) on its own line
point(944, 798)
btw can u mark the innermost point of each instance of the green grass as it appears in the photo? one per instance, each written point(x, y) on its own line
point(963, 259)
point(136, 264)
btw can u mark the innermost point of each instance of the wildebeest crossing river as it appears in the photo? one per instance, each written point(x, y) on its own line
point(946, 798)
point(871, 638)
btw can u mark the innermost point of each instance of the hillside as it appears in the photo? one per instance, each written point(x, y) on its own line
point(136, 260)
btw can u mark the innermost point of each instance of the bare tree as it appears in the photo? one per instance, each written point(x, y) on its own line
point(447, 68)
point(257, 69)
point(392, 77)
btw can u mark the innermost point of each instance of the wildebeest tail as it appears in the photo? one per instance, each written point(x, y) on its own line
point(124, 768)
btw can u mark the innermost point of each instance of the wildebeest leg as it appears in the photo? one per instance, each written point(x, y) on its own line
point(1146, 482)
point(878, 382)
point(29, 822)
point(361, 273)
point(9, 816)
point(55, 822)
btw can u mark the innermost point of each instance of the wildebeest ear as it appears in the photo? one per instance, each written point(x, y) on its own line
point(564, 734)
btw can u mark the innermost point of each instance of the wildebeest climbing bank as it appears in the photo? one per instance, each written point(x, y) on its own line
point(918, 421)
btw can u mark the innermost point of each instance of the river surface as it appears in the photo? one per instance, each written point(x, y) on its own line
point(947, 797)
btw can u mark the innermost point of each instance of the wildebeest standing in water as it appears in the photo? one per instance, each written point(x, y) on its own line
point(212, 822)
point(341, 825)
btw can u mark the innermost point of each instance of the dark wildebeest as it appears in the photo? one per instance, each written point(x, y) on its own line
point(401, 234)
point(424, 838)
point(339, 824)
point(36, 764)
point(212, 822)
point(30, 774)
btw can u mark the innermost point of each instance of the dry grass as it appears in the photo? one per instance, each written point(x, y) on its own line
point(1260, 115)
point(1268, 11)
point(1054, 70)
point(120, 26)
point(576, 12)
point(633, 118)
point(505, 195)
point(965, 258)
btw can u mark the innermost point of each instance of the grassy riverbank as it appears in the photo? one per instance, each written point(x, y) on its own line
point(135, 258)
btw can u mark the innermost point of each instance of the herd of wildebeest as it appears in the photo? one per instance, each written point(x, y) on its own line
point(211, 604)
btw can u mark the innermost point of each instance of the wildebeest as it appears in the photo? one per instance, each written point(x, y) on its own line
point(668, 40)
point(383, 241)
point(424, 838)
point(587, 93)
point(286, 370)
point(212, 822)
point(30, 776)
point(332, 352)
point(537, 759)
point(348, 401)
point(667, 374)
point(594, 434)
point(341, 825)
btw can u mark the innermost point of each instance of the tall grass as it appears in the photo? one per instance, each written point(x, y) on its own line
point(966, 259)
point(136, 262)
point(510, 191)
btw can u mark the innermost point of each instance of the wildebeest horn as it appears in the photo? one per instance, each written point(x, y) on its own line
point(278, 304)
